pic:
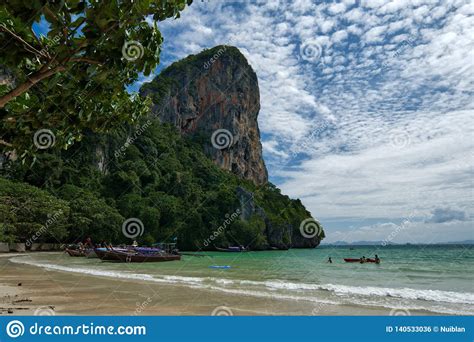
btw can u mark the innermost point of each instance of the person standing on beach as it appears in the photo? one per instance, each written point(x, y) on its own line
point(329, 260)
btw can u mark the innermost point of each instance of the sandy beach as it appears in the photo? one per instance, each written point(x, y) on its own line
point(28, 290)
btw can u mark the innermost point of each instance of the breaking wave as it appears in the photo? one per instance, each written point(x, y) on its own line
point(279, 289)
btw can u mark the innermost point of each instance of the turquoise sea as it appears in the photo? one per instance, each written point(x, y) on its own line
point(437, 279)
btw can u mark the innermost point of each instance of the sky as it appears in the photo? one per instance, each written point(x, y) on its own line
point(366, 107)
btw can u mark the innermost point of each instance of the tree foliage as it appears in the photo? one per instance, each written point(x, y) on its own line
point(163, 179)
point(64, 103)
point(26, 211)
point(73, 77)
point(90, 216)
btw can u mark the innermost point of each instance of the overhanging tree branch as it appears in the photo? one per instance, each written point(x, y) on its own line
point(35, 78)
point(3, 142)
point(41, 74)
point(28, 46)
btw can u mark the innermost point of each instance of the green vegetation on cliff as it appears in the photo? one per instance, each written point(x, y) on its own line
point(79, 156)
point(149, 172)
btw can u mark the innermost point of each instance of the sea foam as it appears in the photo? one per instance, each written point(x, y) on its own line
point(279, 289)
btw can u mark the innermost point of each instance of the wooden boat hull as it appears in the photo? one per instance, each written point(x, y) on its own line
point(105, 254)
point(75, 252)
point(91, 254)
point(126, 256)
point(135, 257)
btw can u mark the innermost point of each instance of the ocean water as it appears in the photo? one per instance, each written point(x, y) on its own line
point(438, 279)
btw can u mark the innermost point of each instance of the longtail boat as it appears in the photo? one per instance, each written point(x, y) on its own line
point(106, 254)
point(90, 253)
point(103, 253)
point(146, 249)
point(75, 252)
point(134, 256)
point(231, 249)
point(360, 260)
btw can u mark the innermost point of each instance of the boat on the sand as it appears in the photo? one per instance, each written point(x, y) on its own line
point(90, 253)
point(75, 252)
point(136, 256)
point(106, 253)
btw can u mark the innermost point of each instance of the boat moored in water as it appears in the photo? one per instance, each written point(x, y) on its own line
point(360, 260)
point(232, 249)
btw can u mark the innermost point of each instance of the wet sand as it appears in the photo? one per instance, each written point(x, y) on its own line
point(46, 292)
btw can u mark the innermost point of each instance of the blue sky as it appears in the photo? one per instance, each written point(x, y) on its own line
point(366, 107)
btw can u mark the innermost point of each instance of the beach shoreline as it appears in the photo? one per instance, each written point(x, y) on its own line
point(52, 292)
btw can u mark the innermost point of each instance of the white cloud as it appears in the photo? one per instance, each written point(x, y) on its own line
point(337, 8)
point(375, 34)
point(388, 71)
point(326, 25)
point(411, 232)
point(442, 215)
point(339, 36)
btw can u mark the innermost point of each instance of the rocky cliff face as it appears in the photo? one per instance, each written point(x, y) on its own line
point(214, 96)
point(280, 235)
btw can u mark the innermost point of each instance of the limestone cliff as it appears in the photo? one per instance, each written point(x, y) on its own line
point(214, 96)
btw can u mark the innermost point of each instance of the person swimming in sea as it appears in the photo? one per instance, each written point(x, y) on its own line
point(363, 260)
point(329, 260)
point(377, 259)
